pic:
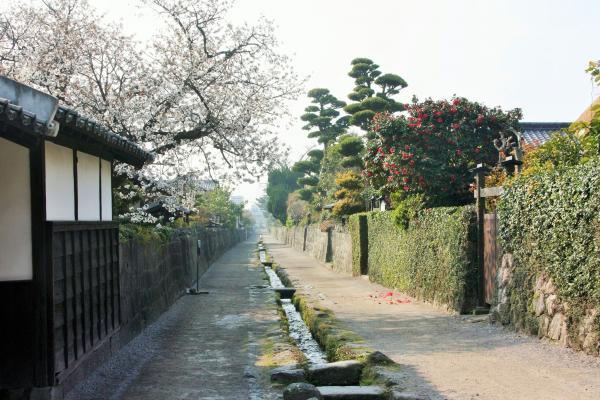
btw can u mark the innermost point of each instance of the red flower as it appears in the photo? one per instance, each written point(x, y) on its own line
point(458, 152)
point(440, 120)
point(407, 147)
point(412, 162)
point(453, 110)
point(406, 188)
point(456, 102)
point(455, 125)
point(477, 149)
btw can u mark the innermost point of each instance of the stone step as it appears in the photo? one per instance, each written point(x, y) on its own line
point(287, 375)
point(340, 373)
point(352, 392)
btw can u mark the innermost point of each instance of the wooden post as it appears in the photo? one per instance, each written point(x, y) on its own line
point(479, 183)
point(43, 342)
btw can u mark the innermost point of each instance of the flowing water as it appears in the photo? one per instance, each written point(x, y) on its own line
point(297, 328)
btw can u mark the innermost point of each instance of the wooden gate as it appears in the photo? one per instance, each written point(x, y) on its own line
point(490, 252)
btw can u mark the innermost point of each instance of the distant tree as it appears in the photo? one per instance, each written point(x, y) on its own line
point(281, 182)
point(217, 204)
point(321, 116)
point(373, 92)
point(298, 208)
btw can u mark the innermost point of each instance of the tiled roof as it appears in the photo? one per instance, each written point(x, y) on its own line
point(27, 121)
point(537, 133)
point(17, 115)
point(92, 129)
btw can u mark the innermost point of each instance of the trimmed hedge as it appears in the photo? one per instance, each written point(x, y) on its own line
point(550, 222)
point(433, 259)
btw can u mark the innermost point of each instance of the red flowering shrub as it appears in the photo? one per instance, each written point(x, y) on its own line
point(431, 149)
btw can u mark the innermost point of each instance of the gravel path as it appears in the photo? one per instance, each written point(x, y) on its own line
point(444, 356)
point(204, 347)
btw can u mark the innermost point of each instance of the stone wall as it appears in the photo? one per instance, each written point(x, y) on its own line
point(540, 311)
point(154, 275)
point(333, 246)
point(341, 251)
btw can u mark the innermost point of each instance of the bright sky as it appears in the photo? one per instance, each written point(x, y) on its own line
point(514, 53)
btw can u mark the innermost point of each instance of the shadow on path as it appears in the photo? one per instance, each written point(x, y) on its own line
point(204, 347)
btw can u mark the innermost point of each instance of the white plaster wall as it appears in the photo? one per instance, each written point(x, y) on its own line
point(15, 212)
point(88, 187)
point(60, 198)
point(105, 169)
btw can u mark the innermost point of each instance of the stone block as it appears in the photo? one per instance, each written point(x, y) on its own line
point(555, 328)
point(544, 326)
point(301, 391)
point(540, 305)
point(287, 375)
point(551, 304)
point(336, 373)
point(378, 358)
point(549, 287)
point(591, 343)
point(352, 392)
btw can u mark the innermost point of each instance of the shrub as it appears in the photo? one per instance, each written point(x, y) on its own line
point(349, 195)
point(431, 150)
point(564, 149)
point(407, 209)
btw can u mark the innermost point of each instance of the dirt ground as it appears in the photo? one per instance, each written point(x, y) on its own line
point(445, 356)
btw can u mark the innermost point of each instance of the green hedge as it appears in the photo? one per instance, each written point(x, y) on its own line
point(432, 259)
point(551, 224)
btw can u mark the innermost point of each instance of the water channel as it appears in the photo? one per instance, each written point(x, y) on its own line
point(298, 330)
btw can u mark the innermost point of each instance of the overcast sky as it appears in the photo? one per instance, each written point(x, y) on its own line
point(529, 54)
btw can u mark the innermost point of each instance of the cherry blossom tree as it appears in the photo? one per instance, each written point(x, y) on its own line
point(204, 96)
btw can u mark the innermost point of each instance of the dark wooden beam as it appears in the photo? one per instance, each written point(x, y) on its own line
point(42, 274)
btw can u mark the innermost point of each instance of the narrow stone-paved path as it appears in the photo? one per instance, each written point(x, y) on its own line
point(445, 356)
point(204, 347)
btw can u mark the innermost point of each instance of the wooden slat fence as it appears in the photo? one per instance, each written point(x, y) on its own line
point(86, 293)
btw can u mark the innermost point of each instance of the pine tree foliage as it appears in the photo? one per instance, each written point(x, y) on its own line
point(320, 116)
point(373, 92)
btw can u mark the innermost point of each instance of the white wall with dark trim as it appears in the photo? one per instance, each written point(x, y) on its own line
point(15, 212)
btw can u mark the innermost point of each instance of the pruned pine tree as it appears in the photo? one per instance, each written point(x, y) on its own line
point(373, 93)
point(310, 168)
point(321, 117)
